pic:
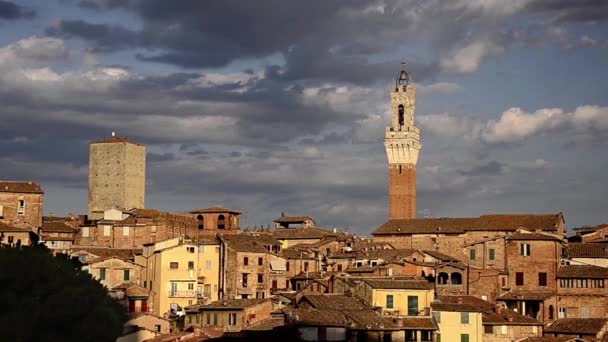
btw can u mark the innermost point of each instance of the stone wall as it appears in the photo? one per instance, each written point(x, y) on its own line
point(402, 191)
point(9, 201)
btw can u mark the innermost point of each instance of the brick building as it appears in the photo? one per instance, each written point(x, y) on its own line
point(117, 176)
point(15, 236)
point(21, 204)
point(229, 314)
point(58, 236)
point(135, 228)
point(214, 220)
point(402, 143)
point(113, 271)
point(582, 292)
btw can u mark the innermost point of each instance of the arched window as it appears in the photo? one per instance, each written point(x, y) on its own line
point(201, 221)
point(456, 278)
point(423, 274)
point(221, 222)
point(442, 279)
point(401, 115)
point(550, 311)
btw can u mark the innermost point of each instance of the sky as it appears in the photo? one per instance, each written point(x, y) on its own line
point(278, 106)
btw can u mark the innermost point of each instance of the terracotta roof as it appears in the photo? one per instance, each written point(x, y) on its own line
point(587, 250)
point(231, 304)
point(293, 219)
point(333, 301)
point(417, 323)
point(399, 284)
point(59, 227)
point(455, 307)
point(266, 325)
point(59, 238)
point(362, 269)
point(552, 339)
point(587, 326)
point(526, 295)
point(390, 254)
point(108, 252)
point(8, 228)
point(302, 233)
point(116, 140)
point(461, 225)
point(20, 187)
point(133, 290)
point(213, 210)
point(440, 256)
point(290, 253)
point(490, 316)
point(245, 243)
point(362, 319)
point(533, 236)
point(134, 315)
point(583, 271)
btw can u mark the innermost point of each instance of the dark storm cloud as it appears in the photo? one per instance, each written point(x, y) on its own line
point(107, 38)
point(489, 169)
point(12, 11)
point(572, 10)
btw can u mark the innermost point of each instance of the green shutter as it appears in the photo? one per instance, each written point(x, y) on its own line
point(464, 337)
point(473, 256)
point(412, 305)
point(437, 315)
point(464, 318)
point(389, 301)
point(492, 254)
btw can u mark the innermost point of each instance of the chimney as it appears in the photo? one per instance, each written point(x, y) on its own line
point(498, 308)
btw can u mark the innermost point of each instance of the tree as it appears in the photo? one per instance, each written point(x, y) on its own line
point(47, 298)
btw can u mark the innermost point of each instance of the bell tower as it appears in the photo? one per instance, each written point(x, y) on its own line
point(402, 143)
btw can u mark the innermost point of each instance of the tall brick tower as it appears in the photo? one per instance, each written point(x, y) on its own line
point(403, 145)
point(117, 175)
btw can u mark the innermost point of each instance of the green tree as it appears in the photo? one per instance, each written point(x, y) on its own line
point(47, 298)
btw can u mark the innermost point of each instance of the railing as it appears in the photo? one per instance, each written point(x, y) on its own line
point(182, 294)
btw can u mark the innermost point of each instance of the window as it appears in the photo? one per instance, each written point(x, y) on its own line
point(208, 265)
point(190, 249)
point(244, 278)
point(488, 329)
point(260, 278)
point(274, 284)
point(464, 318)
point(190, 286)
point(287, 266)
point(524, 249)
point(207, 290)
point(157, 327)
point(340, 268)
point(232, 319)
point(106, 230)
point(473, 254)
point(584, 312)
point(102, 274)
point(260, 261)
point(504, 281)
point(208, 318)
point(245, 261)
point(125, 231)
point(21, 207)
point(305, 266)
point(464, 337)
point(85, 232)
point(437, 316)
point(492, 254)
point(221, 223)
point(563, 312)
point(190, 265)
point(412, 305)
point(145, 284)
point(215, 319)
point(174, 265)
point(389, 301)
point(519, 279)
point(542, 278)
point(126, 275)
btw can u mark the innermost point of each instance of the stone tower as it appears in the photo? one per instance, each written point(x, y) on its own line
point(117, 175)
point(402, 144)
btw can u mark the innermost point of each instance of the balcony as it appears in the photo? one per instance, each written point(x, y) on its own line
point(182, 294)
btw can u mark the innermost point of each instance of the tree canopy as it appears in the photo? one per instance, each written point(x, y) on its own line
point(47, 298)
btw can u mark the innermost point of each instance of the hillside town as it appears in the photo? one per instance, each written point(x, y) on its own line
point(198, 275)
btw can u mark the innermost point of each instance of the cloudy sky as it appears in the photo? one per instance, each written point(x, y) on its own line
point(280, 106)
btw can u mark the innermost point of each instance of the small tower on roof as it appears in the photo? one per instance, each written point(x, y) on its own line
point(402, 143)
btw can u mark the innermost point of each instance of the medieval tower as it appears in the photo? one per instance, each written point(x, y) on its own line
point(403, 145)
point(117, 175)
